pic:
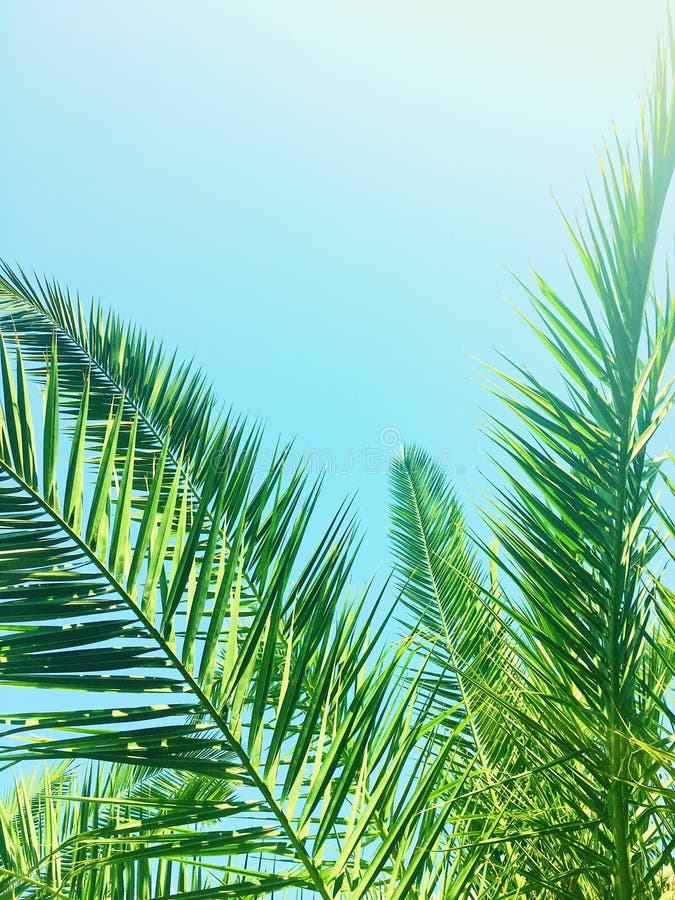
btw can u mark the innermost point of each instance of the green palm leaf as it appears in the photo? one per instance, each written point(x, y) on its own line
point(144, 569)
point(563, 664)
point(577, 523)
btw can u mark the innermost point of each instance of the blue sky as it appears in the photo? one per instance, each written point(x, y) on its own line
point(320, 202)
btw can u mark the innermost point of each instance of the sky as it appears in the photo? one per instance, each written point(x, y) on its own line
point(322, 203)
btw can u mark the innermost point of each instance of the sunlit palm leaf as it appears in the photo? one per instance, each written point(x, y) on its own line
point(577, 525)
point(131, 567)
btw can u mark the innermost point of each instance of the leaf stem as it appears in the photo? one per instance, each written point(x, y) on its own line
point(202, 698)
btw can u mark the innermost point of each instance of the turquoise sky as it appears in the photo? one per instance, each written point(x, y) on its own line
point(319, 201)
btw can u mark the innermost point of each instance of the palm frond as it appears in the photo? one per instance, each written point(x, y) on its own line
point(180, 591)
point(577, 523)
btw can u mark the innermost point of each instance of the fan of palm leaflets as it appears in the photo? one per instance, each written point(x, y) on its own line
point(76, 834)
point(564, 662)
point(148, 559)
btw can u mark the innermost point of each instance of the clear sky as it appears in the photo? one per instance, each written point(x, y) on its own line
point(317, 200)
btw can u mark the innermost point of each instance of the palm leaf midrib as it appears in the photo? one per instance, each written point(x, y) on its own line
point(94, 363)
point(159, 438)
point(437, 595)
point(189, 680)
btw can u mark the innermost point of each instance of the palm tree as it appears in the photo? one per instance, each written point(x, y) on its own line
point(233, 719)
point(563, 660)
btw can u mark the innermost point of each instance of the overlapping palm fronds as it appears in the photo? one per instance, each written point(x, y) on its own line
point(232, 721)
point(566, 665)
point(115, 832)
point(148, 559)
